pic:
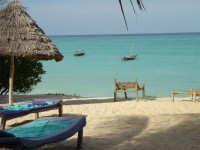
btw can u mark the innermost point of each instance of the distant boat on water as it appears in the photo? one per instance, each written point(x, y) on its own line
point(129, 57)
point(79, 53)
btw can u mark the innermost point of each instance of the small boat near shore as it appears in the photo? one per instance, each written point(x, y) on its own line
point(131, 57)
point(79, 53)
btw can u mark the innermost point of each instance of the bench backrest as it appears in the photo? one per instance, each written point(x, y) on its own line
point(125, 85)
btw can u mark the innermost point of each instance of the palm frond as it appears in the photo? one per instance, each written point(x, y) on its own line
point(140, 5)
point(133, 7)
point(120, 2)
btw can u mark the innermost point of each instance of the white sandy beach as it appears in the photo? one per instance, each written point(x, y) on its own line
point(127, 124)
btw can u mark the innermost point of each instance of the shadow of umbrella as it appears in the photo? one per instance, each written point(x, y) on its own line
point(20, 36)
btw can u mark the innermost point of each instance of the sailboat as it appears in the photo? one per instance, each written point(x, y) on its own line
point(129, 57)
point(79, 52)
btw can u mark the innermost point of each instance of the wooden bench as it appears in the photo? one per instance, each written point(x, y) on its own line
point(128, 87)
point(193, 93)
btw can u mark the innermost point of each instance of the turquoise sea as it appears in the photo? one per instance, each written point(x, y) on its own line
point(165, 62)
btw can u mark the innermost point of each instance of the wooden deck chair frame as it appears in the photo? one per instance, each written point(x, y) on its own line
point(192, 92)
point(128, 87)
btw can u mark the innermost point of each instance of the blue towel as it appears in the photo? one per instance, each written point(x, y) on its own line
point(28, 105)
point(38, 128)
point(18, 106)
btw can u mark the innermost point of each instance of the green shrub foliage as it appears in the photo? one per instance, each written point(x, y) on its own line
point(27, 74)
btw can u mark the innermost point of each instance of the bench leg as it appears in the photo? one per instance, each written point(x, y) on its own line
point(60, 111)
point(173, 96)
point(125, 95)
point(80, 139)
point(36, 115)
point(194, 97)
point(143, 93)
point(137, 96)
point(3, 122)
point(115, 95)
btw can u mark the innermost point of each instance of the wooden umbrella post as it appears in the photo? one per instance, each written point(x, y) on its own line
point(11, 80)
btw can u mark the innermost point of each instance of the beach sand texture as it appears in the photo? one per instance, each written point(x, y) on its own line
point(127, 124)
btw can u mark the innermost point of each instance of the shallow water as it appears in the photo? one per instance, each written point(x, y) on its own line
point(165, 62)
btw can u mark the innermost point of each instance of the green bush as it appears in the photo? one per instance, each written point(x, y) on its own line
point(27, 74)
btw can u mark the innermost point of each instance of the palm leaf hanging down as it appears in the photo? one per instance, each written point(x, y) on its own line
point(140, 5)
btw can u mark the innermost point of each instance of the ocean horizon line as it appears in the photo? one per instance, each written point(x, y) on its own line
point(118, 34)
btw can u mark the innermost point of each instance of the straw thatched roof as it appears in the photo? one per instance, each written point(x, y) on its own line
point(20, 36)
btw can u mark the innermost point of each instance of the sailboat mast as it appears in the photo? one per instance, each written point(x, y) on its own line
point(132, 49)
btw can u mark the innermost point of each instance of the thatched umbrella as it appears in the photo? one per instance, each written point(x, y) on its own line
point(20, 36)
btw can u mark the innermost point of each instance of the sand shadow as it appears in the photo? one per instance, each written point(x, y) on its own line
point(111, 133)
point(82, 101)
point(128, 132)
point(184, 135)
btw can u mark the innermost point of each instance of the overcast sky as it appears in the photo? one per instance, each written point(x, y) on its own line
point(78, 17)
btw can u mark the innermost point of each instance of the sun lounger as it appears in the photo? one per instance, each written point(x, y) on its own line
point(46, 130)
point(35, 106)
point(191, 92)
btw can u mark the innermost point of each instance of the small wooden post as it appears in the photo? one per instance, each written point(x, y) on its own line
point(60, 111)
point(80, 139)
point(194, 98)
point(115, 93)
point(137, 95)
point(125, 94)
point(11, 79)
point(36, 115)
point(3, 122)
point(173, 96)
